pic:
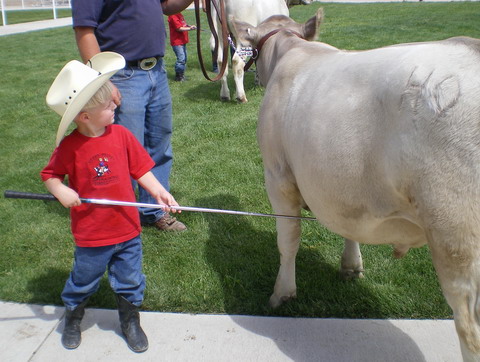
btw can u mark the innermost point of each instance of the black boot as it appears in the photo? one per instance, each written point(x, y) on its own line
point(214, 63)
point(179, 77)
point(71, 336)
point(130, 323)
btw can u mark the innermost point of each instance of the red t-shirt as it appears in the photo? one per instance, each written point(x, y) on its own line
point(177, 37)
point(101, 168)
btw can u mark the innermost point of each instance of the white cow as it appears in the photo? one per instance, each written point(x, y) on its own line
point(291, 3)
point(383, 146)
point(253, 12)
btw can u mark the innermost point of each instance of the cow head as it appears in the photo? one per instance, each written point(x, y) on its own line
point(257, 37)
point(249, 35)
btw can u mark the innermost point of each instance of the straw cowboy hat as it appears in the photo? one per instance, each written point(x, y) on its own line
point(77, 83)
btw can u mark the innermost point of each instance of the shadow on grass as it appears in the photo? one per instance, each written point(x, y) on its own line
point(247, 261)
point(48, 286)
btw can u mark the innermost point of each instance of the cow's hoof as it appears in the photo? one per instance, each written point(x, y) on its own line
point(276, 301)
point(351, 274)
point(225, 99)
point(400, 251)
point(242, 100)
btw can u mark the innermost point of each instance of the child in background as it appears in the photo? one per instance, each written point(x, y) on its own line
point(100, 159)
point(179, 40)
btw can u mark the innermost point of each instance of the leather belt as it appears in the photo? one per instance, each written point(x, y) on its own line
point(144, 64)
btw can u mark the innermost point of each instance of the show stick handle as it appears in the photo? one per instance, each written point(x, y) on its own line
point(28, 195)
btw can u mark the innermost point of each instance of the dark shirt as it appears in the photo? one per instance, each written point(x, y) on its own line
point(132, 28)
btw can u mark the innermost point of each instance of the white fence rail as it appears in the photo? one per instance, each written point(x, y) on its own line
point(7, 5)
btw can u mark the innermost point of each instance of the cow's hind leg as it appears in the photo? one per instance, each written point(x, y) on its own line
point(458, 269)
point(352, 264)
point(288, 241)
point(285, 199)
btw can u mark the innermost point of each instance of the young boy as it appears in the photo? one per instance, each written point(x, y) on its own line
point(100, 159)
point(179, 40)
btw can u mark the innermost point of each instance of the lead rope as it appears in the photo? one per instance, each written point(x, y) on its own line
point(222, 20)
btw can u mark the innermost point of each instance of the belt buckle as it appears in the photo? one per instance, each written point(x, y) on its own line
point(147, 63)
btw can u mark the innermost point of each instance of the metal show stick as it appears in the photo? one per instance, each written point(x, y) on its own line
point(48, 197)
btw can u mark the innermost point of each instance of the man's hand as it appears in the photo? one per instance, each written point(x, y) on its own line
point(116, 96)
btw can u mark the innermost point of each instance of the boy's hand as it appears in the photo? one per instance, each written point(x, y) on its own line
point(68, 198)
point(155, 188)
point(165, 198)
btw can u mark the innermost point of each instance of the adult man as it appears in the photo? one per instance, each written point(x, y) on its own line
point(136, 30)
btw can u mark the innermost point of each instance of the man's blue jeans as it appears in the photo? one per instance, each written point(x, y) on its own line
point(181, 53)
point(124, 264)
point(146, 110)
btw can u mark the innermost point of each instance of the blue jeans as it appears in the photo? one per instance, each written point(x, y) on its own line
point(181, 53)
point(146, 110)
point(124, 263)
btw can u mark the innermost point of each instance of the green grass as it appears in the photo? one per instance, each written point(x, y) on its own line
point(222, 264)
point(25, 16)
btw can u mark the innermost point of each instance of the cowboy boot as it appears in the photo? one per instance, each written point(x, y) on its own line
point(214, 63)
point(71, 336)
point(130, 322)
point(179, 77)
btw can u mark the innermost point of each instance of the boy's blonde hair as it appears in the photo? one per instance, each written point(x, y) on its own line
point(103, 95)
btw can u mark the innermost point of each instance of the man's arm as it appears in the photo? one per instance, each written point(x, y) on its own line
point(86, 42)
point(186, 28)
point(171, 7)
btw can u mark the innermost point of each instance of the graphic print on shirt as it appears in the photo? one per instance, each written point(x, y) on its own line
point(102, 167)
point(99, 167)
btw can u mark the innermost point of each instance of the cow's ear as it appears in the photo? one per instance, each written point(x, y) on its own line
point(310, 28)
point(243, 32)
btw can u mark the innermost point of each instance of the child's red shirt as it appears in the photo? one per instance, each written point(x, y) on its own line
point(101, 168)
point(177, 37)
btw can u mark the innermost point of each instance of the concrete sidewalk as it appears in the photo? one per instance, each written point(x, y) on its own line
point(33, 333)
point(34, 26)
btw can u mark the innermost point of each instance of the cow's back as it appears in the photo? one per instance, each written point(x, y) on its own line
point(254, 11)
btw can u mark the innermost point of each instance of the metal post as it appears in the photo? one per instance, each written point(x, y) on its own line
point(54, 10)
point(4, 15)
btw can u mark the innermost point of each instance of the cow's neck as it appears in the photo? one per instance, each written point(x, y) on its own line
point(273, 51)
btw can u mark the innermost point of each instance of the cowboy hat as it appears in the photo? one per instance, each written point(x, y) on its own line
point(77, 83)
